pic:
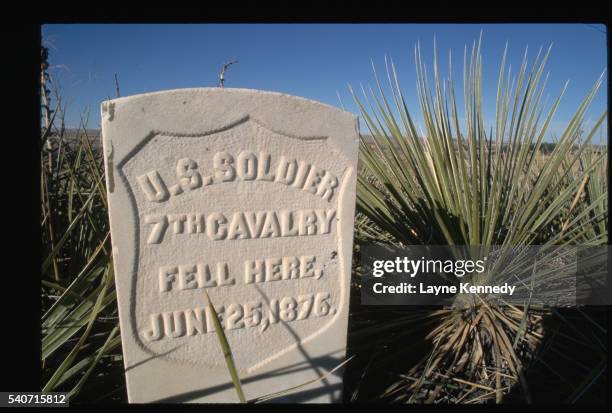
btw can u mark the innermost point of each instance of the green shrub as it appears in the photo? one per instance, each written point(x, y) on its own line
point(460, 182)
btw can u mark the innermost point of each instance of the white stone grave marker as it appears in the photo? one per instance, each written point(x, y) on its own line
point(249, 196)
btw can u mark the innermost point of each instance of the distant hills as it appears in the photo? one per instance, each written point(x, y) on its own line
point(71, 134)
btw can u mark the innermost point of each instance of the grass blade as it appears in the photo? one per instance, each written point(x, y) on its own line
point(227, 351)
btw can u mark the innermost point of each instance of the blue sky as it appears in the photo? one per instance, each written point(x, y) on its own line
point(315, 61)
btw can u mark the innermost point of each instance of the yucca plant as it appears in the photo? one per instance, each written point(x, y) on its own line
point(80, 325)
point(461, 182)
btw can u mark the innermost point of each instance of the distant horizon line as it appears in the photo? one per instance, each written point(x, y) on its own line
point(74, 131)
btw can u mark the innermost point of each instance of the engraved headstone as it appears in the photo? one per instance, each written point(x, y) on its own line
point(249, 196)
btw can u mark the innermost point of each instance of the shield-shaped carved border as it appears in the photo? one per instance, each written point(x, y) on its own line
point(136, 242)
